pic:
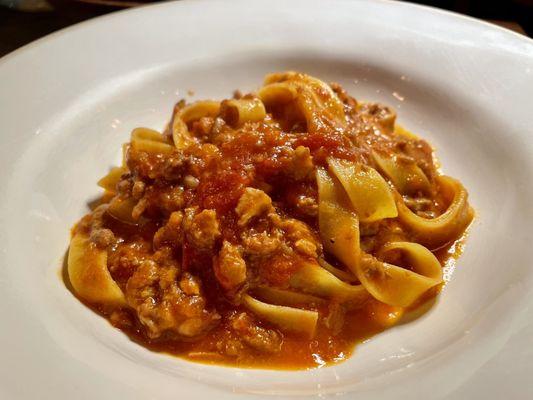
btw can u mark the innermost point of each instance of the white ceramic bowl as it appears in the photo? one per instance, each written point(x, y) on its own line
point(68, 101)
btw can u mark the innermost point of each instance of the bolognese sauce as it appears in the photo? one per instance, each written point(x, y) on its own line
point(274, 230)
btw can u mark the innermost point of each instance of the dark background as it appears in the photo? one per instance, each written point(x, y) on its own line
point(516, 11)
point(18, 28)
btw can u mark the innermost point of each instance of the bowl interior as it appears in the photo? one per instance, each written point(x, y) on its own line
point(479, 139)
point(56, 180)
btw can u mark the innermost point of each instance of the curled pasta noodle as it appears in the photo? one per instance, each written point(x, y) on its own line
point(395, 285)
point(143, 139)
point(110, 181)
point(370, 195)
point(437, 231)
point(150, 146)
point(314, 99)
point(339, 273)
point(147, 134)
point(150, 141)
point(288, 319)
point(286, 297)
point(277, 93)
point(401, 131)
point(188, 114)
point(122, 209)
point(125, 148)
point(277, 77)
point(338, 224)
point(313, 279)
point(237, 112)
point(88, 273)
point(406, 176)
point(340, 231)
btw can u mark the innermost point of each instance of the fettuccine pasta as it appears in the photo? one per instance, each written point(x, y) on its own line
point(273, 229)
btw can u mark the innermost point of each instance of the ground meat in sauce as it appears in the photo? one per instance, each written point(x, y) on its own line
point(261, 339)
point(201, 228)
point(230, 267)
point(237, 209)
point(166, 305)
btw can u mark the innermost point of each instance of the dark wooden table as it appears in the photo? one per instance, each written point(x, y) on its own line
point(18, 28)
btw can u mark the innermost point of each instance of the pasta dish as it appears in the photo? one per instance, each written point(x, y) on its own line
point(274, 229)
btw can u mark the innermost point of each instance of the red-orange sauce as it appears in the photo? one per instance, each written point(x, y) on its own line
point(212, 174)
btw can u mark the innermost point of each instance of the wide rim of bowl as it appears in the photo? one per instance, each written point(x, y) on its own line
point(509, 36)
point(124, 12)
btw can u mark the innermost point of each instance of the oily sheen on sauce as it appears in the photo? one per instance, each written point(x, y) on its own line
point(274, 229)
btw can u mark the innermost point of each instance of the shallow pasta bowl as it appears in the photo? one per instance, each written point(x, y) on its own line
point(68, 101)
